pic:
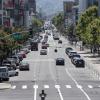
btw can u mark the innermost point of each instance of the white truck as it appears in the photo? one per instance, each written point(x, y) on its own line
point(4, 73)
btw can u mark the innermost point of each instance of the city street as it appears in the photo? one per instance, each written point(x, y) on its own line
point(59, 82)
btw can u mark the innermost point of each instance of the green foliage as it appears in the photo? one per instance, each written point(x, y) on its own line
point(93, 31)
point(58, 21)
point(37, 23)
point(85, 19)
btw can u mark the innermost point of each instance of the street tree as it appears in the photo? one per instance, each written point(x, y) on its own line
point(85, 19)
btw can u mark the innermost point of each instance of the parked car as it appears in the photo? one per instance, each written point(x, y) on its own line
point(60, 61)
point(22, 53)
point(12, 72)
point(68, 49)
point(19, 56)
point(71, 53)
point(79, 62)
point(11, 62)
point(17, 60)
point(75, 55)
point(26, 50)
point(24, 66)
point(4, 74)
point(43, 52)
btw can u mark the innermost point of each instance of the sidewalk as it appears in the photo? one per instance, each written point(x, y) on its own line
point(92, 62)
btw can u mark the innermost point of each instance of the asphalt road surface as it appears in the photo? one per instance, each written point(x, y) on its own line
point(59, 82)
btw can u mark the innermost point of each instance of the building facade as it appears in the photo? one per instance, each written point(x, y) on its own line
point(67, 6)
point(16, 12)
point(84, 4)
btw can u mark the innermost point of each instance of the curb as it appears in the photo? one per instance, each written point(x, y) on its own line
point(5, 86)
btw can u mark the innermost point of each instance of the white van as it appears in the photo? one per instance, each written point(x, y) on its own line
point(4, 73)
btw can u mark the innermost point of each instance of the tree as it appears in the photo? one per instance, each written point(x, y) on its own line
point(85, 19)
point(93, 33)
point(37, 24)
point(58, 21)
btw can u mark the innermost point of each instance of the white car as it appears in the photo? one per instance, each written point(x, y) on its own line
point(4, 76)
point(12, 72)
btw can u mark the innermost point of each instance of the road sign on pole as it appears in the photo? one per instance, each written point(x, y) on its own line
point(42, 95)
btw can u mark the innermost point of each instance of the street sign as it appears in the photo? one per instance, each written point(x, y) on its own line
point(42, 95)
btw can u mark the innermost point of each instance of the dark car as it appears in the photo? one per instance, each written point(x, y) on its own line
point(71, 53)
point(75, 55)
point(68, 49)
point(24, 66)
point(44, 46)
point(43, 52)
point(60, 41)
point(79, 62)
point(60, 61)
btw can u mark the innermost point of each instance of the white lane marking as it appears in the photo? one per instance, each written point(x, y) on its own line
point(24, 87)
point(13, 87)
point(87, 96)
point(35, 91)
point(90, 86)
point(68, 86)
point(79, 86)
point(58, 89)
point(46, 86)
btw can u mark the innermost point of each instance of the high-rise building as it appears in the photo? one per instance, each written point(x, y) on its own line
point(68, 12)
point(84, 4)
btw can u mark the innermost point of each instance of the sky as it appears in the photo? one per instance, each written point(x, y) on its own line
point(50, 6)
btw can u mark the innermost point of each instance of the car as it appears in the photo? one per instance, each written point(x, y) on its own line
point(10, 63)
point(44, 46)
point(43, 52)
point(68, 49)
point(79, 62)
point(60, 61)
point(12, 72)
point(71, 53)
point(75, 55)
point(22, 53)
point(26, 50)
point(19, 56)
point(24, 66)
point(17, 60)
point(4, 74)
point(47, 44)
point(55, 37)
point(60, 41)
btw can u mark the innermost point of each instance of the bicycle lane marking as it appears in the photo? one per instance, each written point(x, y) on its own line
point(35, 91)
point(87, 96)
point(59, 91)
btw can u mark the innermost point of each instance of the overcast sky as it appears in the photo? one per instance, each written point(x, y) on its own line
point(50, 6)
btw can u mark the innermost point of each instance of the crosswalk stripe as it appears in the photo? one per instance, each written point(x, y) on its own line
point(13, 87)
point(90, 86)
point(24, 87)
point(68, 86)
point(57, 86)
point(79, 86)
point(35, 86)
point(46, 86)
